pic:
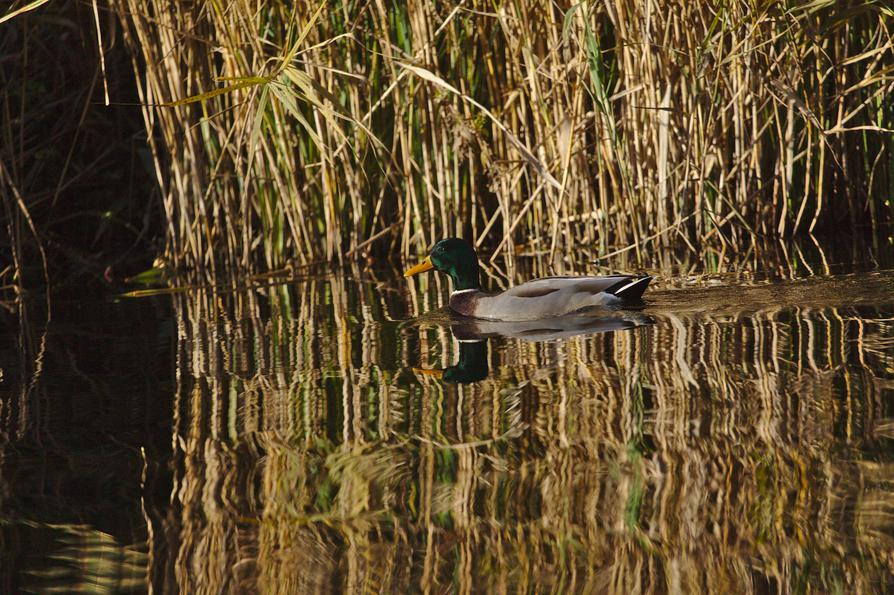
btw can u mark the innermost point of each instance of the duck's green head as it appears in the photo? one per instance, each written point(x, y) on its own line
point(455, 257)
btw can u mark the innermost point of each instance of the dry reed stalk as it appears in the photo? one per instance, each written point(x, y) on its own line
point(528, 127)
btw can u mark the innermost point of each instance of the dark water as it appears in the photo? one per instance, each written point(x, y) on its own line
point(340, 433)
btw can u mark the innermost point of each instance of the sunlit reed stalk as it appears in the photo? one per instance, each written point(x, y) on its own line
point(379, 128)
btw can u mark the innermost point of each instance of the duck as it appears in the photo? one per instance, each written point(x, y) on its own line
point(538, 299)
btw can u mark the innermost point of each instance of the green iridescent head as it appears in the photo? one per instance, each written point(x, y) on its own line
point(455, 257)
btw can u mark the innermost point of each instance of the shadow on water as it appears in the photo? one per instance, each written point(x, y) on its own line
point(728, 438)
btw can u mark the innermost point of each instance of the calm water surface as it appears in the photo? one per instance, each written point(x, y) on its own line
point(341, 433)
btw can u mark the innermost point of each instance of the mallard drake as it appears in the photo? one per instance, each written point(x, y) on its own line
point(534, 300)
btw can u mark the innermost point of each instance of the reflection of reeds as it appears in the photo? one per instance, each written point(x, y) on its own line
point(712, 452)
point(21, 374)
point(551, 126)
point(80, 560)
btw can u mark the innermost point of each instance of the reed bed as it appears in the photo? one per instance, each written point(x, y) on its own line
point(724, 449)
point(298, 132)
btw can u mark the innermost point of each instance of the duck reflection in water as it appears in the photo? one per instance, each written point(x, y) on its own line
point(473, 335)
point(471, 367)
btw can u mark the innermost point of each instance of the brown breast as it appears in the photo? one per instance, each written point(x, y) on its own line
point(464, 302)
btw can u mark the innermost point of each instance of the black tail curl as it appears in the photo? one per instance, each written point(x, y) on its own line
point(630, 289)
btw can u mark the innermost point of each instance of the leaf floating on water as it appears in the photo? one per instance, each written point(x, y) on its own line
point(152, 276)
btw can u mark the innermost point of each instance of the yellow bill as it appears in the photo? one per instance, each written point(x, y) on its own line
point(423, 266)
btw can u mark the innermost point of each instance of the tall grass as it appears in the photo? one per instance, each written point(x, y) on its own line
point(284, 132)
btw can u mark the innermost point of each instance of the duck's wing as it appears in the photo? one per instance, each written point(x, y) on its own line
point(623, 286)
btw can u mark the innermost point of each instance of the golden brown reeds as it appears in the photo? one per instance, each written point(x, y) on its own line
point(715, 451)
point(523, 126)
